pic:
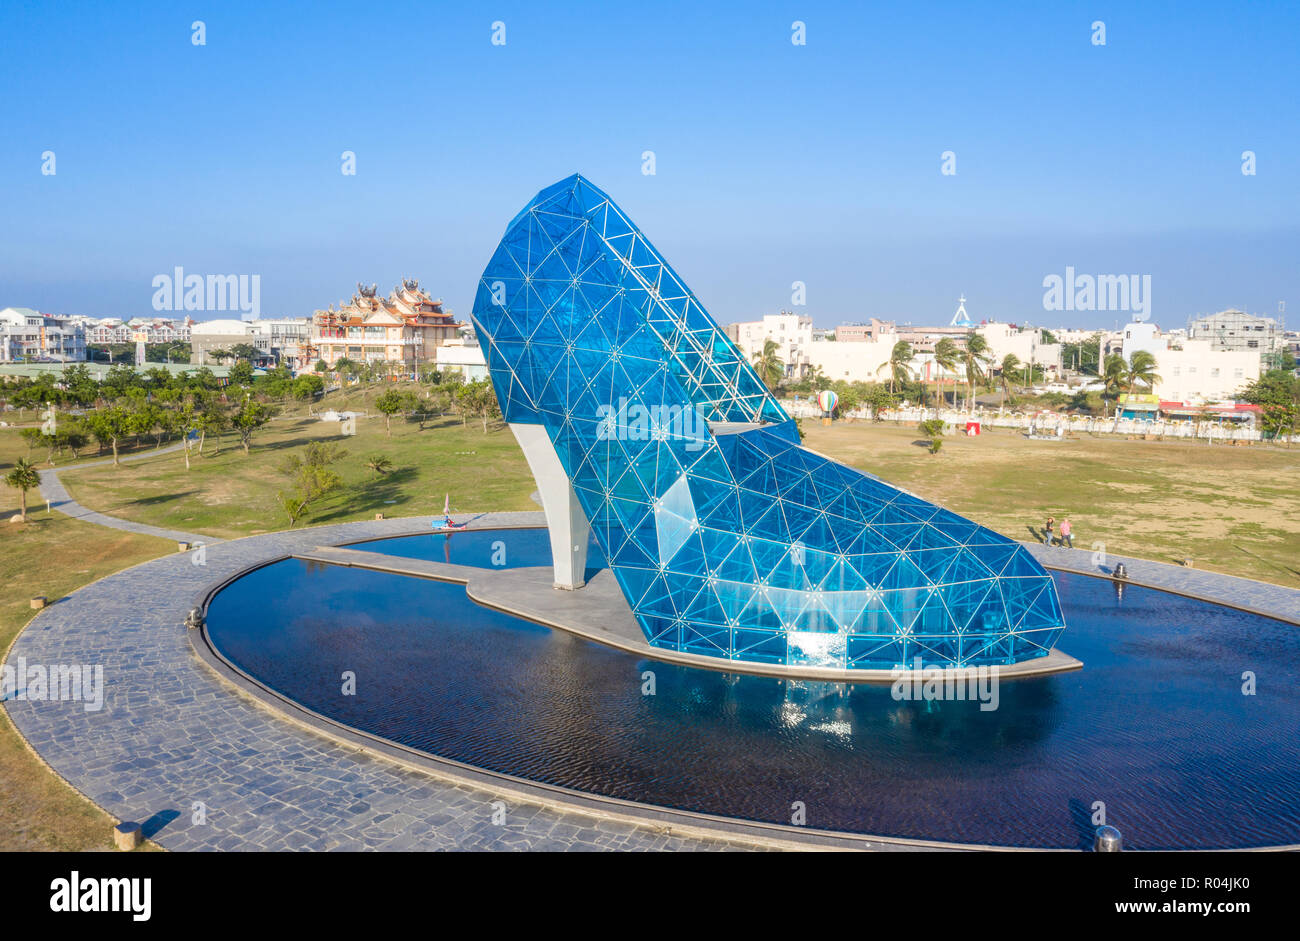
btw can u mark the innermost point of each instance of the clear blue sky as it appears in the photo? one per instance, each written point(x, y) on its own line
point(775, 163)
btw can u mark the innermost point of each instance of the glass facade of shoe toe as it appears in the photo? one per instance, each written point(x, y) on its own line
point(727, 538)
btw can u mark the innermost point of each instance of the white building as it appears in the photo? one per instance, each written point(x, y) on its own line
point(27, 335)
point(463, 356)
point(208, 336)
point(1198, 374)
point(1026, 344)
point(793, 334)
point(286, 340)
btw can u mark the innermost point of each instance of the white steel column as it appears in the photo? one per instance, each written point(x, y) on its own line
point(565, 519)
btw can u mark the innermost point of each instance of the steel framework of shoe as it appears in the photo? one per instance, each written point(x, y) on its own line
point(643, 423)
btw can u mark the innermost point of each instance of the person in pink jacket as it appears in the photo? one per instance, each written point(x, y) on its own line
point(1066, 538)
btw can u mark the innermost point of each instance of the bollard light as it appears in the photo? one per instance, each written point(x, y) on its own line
point(1108, 840)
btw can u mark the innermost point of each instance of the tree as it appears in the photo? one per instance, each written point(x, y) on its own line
point(418, 409)
point(37, 438)
point(1114, 374)
point(768, 364)
point(933, 429)
point(1083, 355)
point(118, 381)
point(250, 416)
point(1010, 364)
point(1277, 393)
point(974, 358)
point(899, 365)
point(307, 386)
point(379, 464)
point(946, 356)
point(22, 478)
point(310, 477)
point(1142, 369)
point(208, 418)
point(478, 399)
point(109, 426)
point(241, 374)
point(80, 386)
point(390, 403)
point(877, 397)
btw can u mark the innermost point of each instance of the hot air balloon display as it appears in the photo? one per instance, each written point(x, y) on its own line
point(828, 400)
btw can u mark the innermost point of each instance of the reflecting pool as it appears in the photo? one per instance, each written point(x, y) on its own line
point(1156, 725)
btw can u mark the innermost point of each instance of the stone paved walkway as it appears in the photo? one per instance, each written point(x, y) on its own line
point(52, 489)
point(170, 734)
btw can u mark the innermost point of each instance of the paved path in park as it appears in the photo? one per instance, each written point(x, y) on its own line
point(170, 734)
point(52, 489)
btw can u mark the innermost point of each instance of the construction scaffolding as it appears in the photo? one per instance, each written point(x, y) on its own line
point(1239, 331)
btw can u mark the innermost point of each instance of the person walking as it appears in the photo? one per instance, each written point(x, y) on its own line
point(1066, 538)
point(1047, 530)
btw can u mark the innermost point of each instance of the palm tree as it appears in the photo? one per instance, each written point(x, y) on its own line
point(974, 358)
point(23, 477)
point(1010, 363)
point(1114, 374)
point(899, 366)
point(946, 356)
point(379, 464)
point(768, 364)
point(1142, 369)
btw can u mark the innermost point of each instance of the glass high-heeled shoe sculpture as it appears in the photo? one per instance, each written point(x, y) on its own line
point(643, 421)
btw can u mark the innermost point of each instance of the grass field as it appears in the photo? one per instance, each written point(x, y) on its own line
point(52, 557)
point(1230, 509)
point(231, 494)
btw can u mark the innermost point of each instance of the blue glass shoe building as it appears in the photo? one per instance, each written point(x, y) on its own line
point(728, 539)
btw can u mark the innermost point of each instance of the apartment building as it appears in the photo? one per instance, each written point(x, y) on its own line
point(29, 336)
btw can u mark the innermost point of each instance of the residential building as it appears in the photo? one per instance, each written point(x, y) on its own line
point(1237, 330)
point(287, 340)
point(403, 330)
point(28, 335)
point(793, 334)
point(109, 330)
point(463, 356)
point(1197, 373)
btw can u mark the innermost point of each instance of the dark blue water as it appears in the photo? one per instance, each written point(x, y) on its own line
point(1155, 725)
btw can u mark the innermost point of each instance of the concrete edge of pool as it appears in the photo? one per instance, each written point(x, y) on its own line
point(126, 762)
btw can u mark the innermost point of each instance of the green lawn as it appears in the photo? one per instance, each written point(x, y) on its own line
point(229, 494)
